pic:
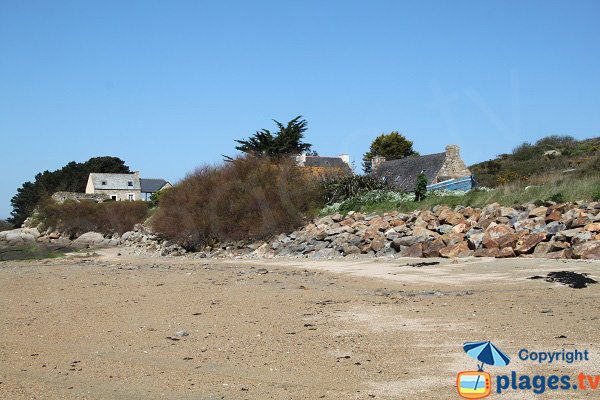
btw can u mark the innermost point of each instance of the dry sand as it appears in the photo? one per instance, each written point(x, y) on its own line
point(99, 327)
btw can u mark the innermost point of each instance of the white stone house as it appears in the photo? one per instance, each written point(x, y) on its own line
point(115, 186)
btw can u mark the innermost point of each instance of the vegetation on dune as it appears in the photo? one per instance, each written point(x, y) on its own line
point(548, 155)
point(70, 178)
point(247, 198)
point(339, 188)
point(75, 218)
point(558, 189)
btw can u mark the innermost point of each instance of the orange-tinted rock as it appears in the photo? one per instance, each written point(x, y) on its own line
point(538, 212)
point(495, 252)
point(587, 251)
point(377, 245)
point(458, 250)
point(528, 242)
point(553, 216)
point(416, 251)
point(432, 249)
point(506, 252)
point(593, 227)
point(451, 239)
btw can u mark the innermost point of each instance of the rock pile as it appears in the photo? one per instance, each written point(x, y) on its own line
point(549, 231)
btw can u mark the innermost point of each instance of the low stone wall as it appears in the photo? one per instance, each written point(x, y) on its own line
point(61, 197)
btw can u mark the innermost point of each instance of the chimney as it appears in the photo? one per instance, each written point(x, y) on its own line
point(301, 159)
point(345, 158)
point(453, 151)
point(376, 163)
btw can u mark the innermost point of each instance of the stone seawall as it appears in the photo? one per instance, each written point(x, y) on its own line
point(61, 197)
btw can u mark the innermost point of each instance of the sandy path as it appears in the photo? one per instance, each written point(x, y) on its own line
point(97, 328)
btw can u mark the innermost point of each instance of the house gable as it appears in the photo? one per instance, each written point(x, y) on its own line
point(437, 168)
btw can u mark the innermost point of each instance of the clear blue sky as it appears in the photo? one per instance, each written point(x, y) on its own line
point(168, 86)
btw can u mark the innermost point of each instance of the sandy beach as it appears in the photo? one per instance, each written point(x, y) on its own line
point(131, 327)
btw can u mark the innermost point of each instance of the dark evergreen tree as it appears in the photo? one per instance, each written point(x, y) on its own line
point(286, 141)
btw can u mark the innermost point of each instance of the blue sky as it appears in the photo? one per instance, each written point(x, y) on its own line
point(168, 86)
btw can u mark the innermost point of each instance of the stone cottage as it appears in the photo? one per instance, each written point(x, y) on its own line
point(444, 170)
point(115, 186)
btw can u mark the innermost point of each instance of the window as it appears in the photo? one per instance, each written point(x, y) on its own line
point(130, 183)
point(113, 197)
point(130, 197)
point(103, 183)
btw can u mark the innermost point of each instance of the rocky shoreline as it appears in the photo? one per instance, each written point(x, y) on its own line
point(556, 231)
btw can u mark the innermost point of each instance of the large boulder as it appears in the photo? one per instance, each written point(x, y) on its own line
point(450, 217)
point(588, 250)
point(493, 252)
point(20, 237)
point(554, 227)
point(593, 227)
point(538, 212)
point(457, 250)
point(528, 242)
point(90, 239)
point(414, 251)
point(432, 249)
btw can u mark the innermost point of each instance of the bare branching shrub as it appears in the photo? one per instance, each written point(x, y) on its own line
point(247, 198)
point(75, 218)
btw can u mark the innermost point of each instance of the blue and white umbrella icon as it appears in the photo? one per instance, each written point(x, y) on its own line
point(487, 353)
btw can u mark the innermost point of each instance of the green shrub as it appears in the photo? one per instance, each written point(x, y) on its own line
point(341, 188)
point(557, 198)
point(248, 198)
point(421, 187)
point(155, 198)
point(596, 196)
point(75, 218)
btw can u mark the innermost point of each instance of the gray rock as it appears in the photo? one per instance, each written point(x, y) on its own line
point(554, 227)
point(92, 239)
point(443, 229)
point(20, 237)
point(350, 249)
point(474, 240)
point(410, 240)
point(567, 234)
point(581, 237)
point(325, 253)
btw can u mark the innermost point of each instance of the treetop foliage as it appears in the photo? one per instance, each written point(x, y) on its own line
point(392, 146)
point(286, 141)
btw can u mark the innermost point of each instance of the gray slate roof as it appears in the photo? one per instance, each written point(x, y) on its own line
point(115, 181)
point(403, 173)
point(327, 162)
point(152, 185)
